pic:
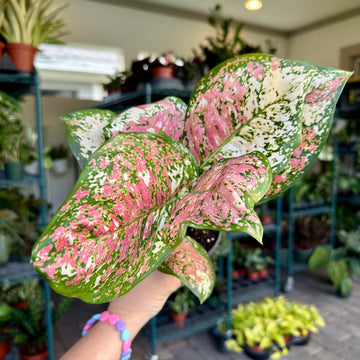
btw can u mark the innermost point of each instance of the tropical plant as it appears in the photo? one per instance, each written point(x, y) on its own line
point(253, 125)
point(226, 43)
point(27, 326)
point(342, 262)
point(16, 294)
point(8, 239)
point(32, 22)
point(256, 261)
point(266, 324)
point(182, 303)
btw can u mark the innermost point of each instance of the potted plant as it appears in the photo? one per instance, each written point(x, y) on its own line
point(239, 258)
point(17, 296)
point(11, 135)
point(8, 238)
point(180, 306)
point(152, 171)
point(59, 156)
point(27, 327)
point(5, 315)
point(268, 328)
point(342, 262)
point(256, 264)
point(27, 24)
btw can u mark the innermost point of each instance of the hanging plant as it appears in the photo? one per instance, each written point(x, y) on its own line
point(253, 125)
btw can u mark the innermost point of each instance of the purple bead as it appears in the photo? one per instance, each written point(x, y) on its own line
point(91, 321)
point(120, 326)
point(126, 352)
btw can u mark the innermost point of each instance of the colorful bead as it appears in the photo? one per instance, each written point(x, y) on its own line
point(125, 335)
point(104, 316)
point(120, 326)
point(126, 345)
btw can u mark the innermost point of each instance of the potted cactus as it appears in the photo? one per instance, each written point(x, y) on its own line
point(253, 125)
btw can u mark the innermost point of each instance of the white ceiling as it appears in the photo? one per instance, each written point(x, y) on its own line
point(281, 15)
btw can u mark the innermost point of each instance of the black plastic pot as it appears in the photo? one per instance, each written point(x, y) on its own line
point(300, 340)
point(257, 354)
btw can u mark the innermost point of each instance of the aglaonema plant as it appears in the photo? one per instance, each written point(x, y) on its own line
point(253, 125)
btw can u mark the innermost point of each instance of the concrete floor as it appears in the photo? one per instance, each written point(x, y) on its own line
point(339, 340)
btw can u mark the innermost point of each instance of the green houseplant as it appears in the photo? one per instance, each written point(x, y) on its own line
point(268, 328)
point(342, 262)
point(28, 23)
point(256, 264)
point(180, 306)
point(27, 327)
point(250, 129)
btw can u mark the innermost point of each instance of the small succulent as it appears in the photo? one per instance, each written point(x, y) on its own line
point(253, 125)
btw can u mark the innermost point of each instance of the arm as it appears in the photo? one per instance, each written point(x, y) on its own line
point(136, 308)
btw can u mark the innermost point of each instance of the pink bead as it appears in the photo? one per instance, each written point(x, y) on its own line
point(87, 327)
point(104, 316)
point(126, 345)
point(113, 319)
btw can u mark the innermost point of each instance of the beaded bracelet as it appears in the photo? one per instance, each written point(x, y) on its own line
point(120, 326)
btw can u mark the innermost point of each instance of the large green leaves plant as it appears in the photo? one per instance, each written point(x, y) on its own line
point(153, 170)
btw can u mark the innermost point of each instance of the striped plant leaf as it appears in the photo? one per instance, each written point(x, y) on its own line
point(167, 115)
point(223, 197)
point(192, 265)
point(88, 129)
point(110, 232)
point(250, 103)
point(318, 111)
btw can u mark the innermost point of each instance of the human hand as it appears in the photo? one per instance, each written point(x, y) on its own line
point(144, 301)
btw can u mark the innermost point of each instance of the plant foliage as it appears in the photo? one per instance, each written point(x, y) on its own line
point(253, 125)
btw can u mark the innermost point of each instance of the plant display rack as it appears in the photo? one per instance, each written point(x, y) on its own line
point(204, 317)
point(314, 209)
point(18, 84)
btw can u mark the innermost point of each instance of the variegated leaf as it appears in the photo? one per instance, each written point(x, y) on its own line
point(88, 129)
point(85, 131)
point(191, 264)
point(167, 115)
point(249, 103)
point(110, 233)
point(318, 111)
point(223, 197)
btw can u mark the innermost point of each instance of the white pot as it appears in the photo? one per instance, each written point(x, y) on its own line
point(32, 168)
point(60, 166)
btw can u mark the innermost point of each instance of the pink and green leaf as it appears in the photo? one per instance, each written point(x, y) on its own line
point(190, 263)
point(112, 231)
point(85, 131)
point(250, 103)
point(318, 111)
point(167, 115)
point(88, 129)
point(223, 198)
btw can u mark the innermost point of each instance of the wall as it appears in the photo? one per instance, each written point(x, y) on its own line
point(135, 30)
point(322, 46)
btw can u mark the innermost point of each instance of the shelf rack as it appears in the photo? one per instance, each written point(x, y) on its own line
point(18, 84)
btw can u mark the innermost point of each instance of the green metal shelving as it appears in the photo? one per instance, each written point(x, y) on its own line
point(18, 84)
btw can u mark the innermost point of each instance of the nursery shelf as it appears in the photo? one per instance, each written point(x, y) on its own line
point(15, 273)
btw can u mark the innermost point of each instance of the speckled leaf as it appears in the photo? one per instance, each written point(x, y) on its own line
point(318, 111)
point(192, 265)
point(85, 131)
point(167, 115)
point(223, 197)
point(110, 233)
point(249, 103)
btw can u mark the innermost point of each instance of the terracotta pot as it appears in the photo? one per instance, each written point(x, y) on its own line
point(21, 305)
point(253, 276)
point(179, 320)
point(22, 56)
point(264, 273)
point(4, 349)
point(42, 356)
point(163, 72)
point(2, 45)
